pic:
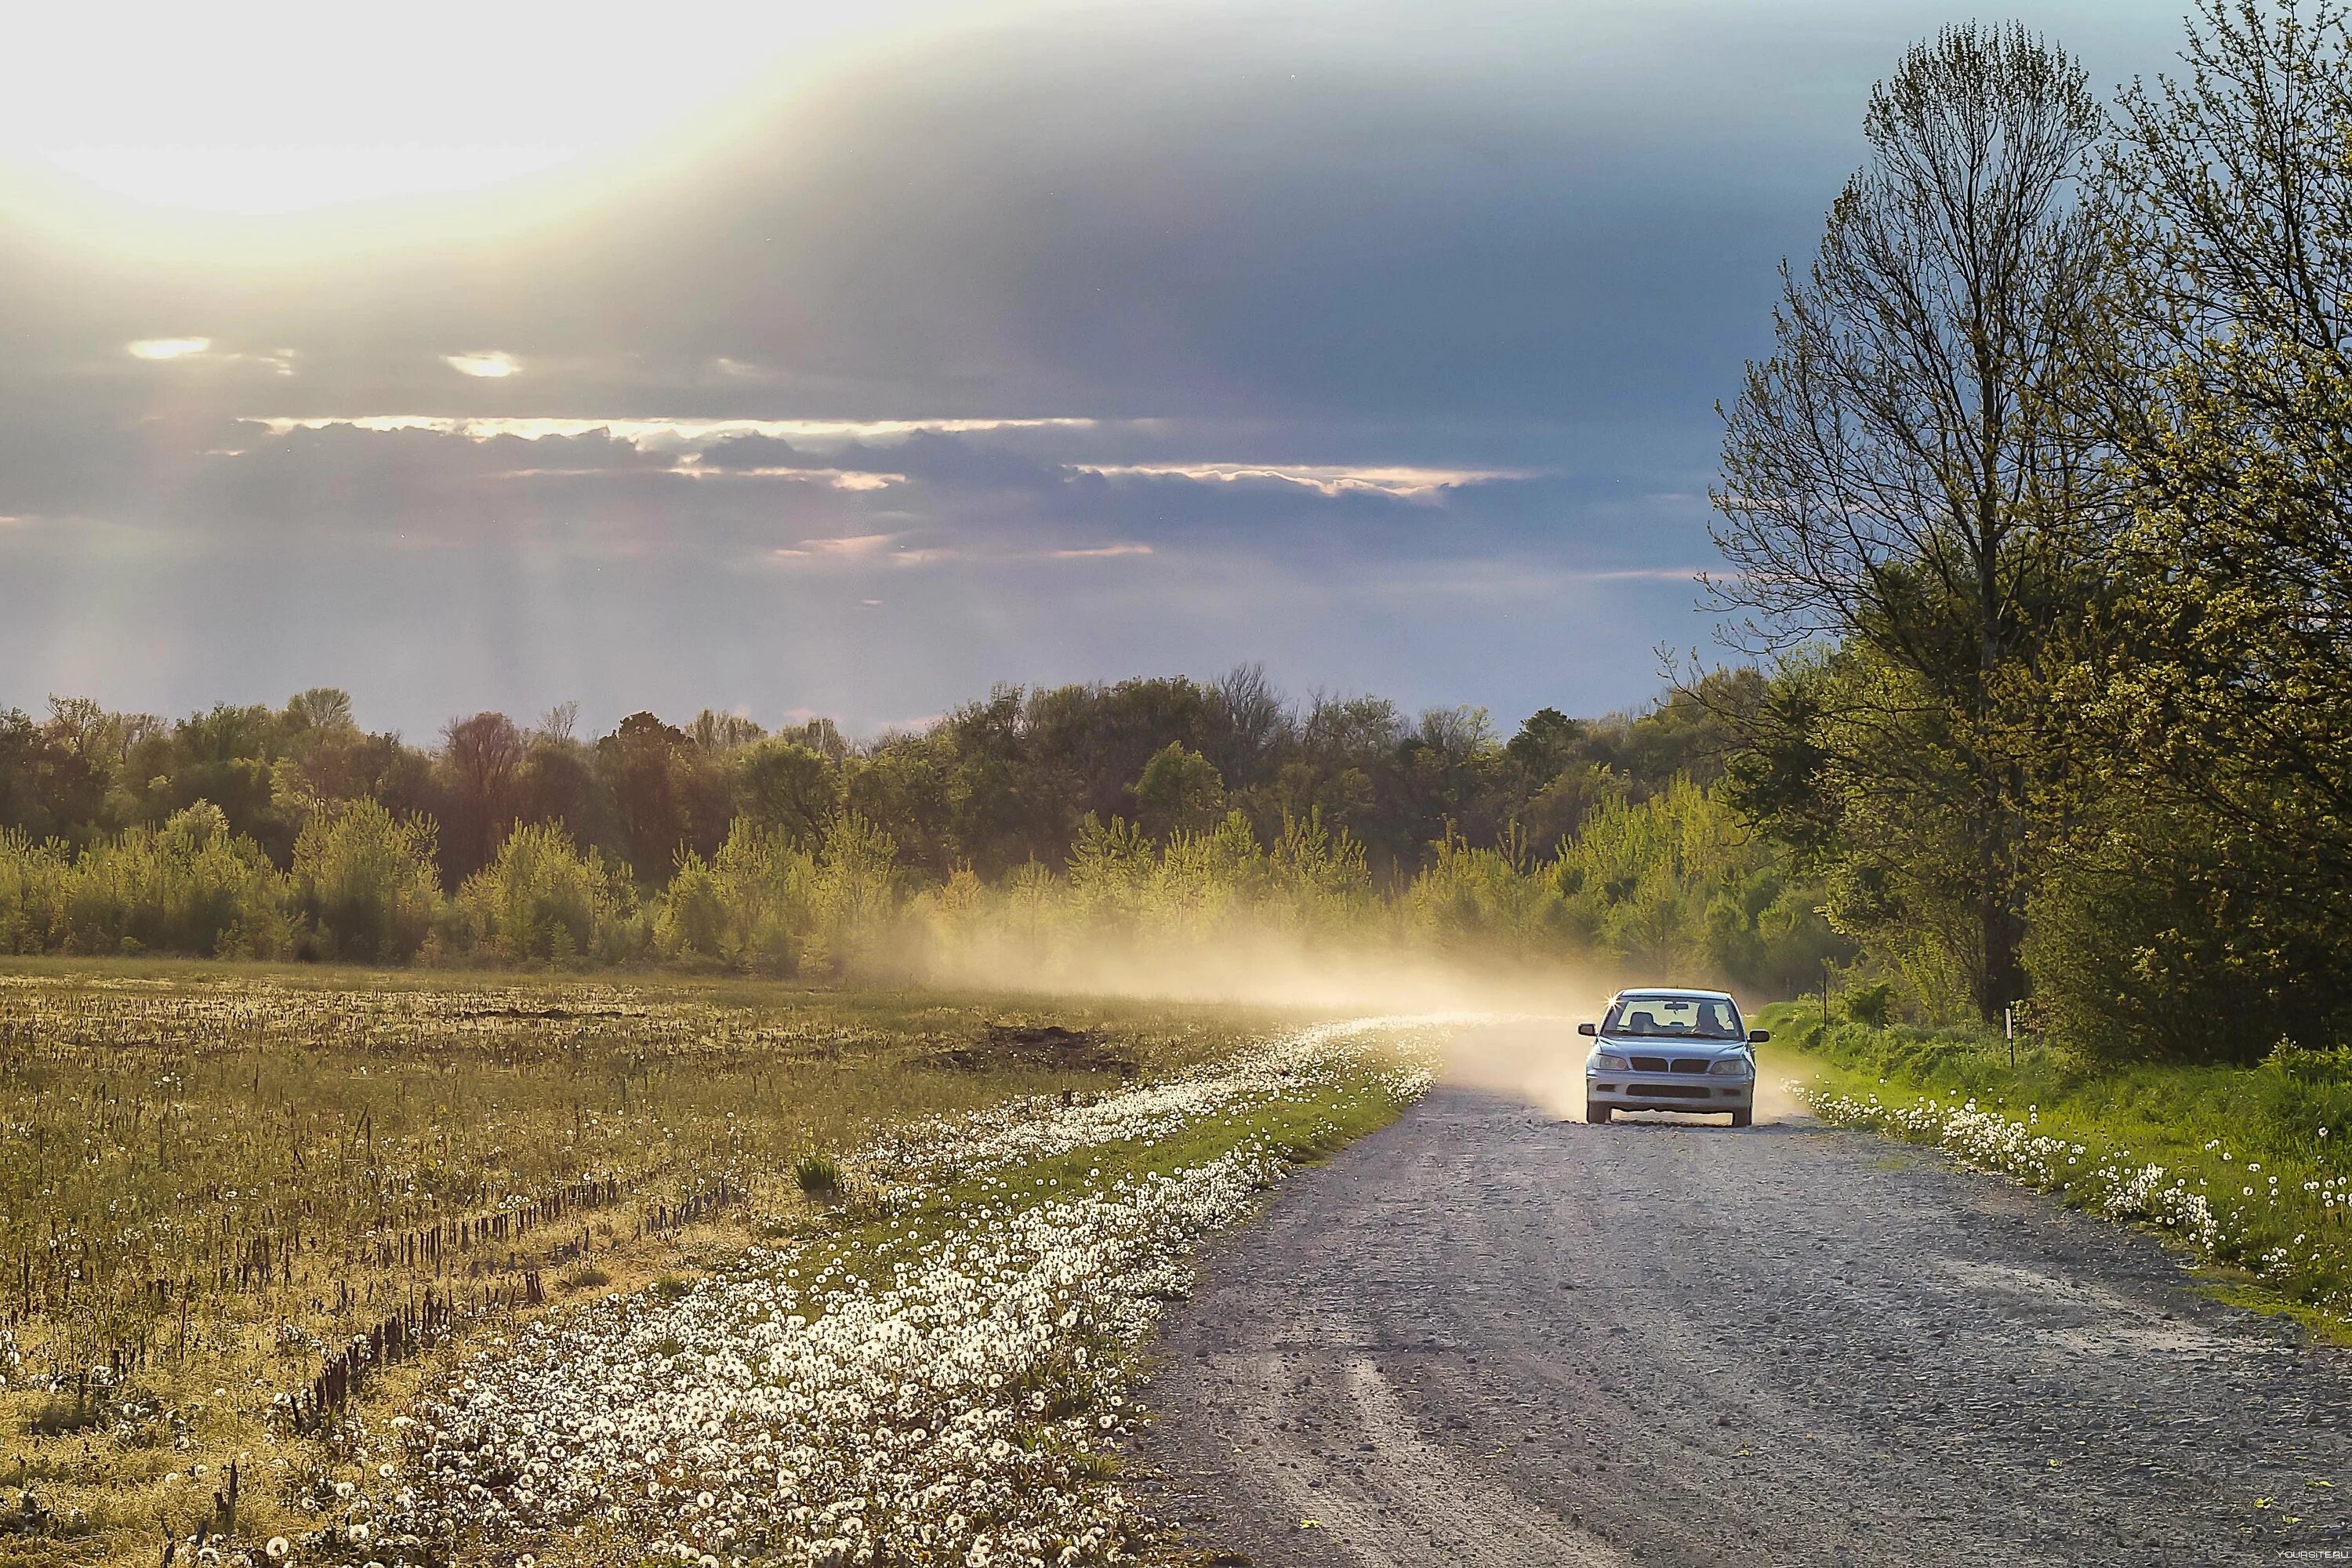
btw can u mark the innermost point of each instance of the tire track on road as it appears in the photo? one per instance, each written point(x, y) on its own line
point(1487, 1336)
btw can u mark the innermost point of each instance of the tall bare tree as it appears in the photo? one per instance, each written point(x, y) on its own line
point(1903, 478)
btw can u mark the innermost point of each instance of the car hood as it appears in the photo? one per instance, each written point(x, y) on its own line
point(1652, 1044)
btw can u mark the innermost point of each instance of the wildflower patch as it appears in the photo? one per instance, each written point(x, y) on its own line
point(2222, 1204)
point(945, 1384)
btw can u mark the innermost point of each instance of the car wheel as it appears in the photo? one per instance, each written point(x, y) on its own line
point(1596, 1115)
point(1743, 1117)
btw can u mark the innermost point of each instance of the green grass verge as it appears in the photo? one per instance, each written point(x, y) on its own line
point(2265, 1147)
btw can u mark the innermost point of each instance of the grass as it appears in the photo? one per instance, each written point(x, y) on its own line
point(989, 1279)
point(2264, 1147)
point(212, 1177)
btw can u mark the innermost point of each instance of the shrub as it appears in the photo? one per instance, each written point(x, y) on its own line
point(365, 881)
point(190, 885)
point(766, 902)
point(539, 901)
point(2141, 948)
point(33, 880)
point(819, 1176)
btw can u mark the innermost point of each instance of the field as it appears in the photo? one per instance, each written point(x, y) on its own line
point(247, 1214)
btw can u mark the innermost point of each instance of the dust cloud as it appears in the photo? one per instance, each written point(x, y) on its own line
point(1513, 1022)
point(1270, 967)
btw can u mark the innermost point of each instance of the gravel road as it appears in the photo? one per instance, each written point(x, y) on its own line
point(1491, 1335)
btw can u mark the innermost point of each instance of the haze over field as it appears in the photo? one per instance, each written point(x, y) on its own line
point(789, 362)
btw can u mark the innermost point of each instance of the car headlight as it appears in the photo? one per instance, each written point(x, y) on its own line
point(1731, 1067)
point(1604, 1062)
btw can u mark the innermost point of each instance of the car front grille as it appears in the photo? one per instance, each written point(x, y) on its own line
point(1670, 1064)
point(1669, 1091)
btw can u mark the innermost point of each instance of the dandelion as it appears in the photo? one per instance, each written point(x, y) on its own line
point(277, 1547)
point(890, 1397)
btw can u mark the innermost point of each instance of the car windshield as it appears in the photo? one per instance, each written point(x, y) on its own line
point(1685, 1017)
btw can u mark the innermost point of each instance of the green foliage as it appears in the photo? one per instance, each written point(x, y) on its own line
point(542, 901)
point(2265, 1142)
point(818, 1176)
point(1907, 475)
point(2158, 942)
point(1871, 1006)
point(1177, 792)
point(1157, 813)
point(785, 785)
point(364, 882)
point(33, 879)
point(768, 903)
point(188, 887)
point(2206, 838)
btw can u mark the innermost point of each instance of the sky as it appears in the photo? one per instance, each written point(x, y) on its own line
point(802, 360)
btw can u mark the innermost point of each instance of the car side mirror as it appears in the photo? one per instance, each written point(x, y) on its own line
point(1586, 1029)
point(1757, 1037)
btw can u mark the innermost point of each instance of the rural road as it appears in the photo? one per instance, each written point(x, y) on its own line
point(1489, 1335)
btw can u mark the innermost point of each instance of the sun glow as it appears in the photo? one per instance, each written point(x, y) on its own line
point(265, 106)
point(494, 364)
point(168, 348)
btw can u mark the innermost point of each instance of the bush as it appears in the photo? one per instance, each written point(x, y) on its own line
point(365, 882)
point(540, 901)
point(819, 1176)
point(765, 903)
point(33, 880)
point(2143, 948)
point(190, 885)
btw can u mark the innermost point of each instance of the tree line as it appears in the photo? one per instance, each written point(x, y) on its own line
point(2037, 514)
point(1156, 809)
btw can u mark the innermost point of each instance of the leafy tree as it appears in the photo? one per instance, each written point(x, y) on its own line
point(364, 882)
point(189, 885)
point(638, 762)
point(2216, 692)
point(1177, 792)
point(903, 785)
point(481, 766)
point(539, 901)
point(1548, 744)
point(2200, 853)
point(784, 785)
point(1904, 476)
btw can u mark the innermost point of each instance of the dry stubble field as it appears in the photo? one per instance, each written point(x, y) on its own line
point(247, 1214)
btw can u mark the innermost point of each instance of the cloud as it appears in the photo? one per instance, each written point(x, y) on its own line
point(662, 433)
point(854, 547)
point(493, 363)
point(167, 348)
point(1324, 479)
point(839, 478)
point(879, 550)
point(1649, 575)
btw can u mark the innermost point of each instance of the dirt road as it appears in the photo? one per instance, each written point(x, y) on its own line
point(1487, 1336)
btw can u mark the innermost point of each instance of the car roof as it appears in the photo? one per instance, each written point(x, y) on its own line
point(1673, 991)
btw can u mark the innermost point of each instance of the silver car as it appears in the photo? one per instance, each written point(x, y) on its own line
point(1671, 1050)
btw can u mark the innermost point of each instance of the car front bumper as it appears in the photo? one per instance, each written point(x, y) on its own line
point(1701, 1094)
